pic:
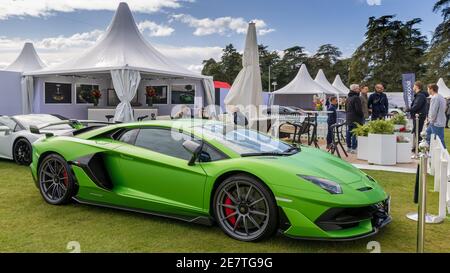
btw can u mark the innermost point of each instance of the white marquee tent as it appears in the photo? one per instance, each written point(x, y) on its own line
point(443, 89)
point(247, 87)
point(123, 54)
point(338, 84)
point(322, 80)
point(28, 60)
point(300, 91)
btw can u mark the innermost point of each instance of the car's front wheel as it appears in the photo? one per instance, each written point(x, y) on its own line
point(22, 152)
point(245, 209)
point(56, 183)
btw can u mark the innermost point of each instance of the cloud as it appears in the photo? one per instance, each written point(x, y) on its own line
point(221, 25)
point(155, 30)
point(54, 50)
point(42, 8)
point(78, 40)
point(373, 2)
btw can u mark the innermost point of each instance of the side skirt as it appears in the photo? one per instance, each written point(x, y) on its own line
point(202, 220)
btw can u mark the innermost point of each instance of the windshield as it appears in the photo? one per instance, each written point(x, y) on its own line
point(36, 120)
point(245, 141)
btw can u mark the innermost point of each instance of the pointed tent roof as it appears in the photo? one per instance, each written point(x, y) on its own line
point(28, 60)
point(443, 89)
point(322, 80)
point(121, 46)
point(302, 84)
point(338, 84)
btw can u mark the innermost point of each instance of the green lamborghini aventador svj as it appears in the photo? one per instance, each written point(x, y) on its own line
point(249, 184)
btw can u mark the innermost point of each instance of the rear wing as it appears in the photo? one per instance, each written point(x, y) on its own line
point(76, 124)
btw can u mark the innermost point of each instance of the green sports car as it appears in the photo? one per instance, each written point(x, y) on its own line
point(248, 183)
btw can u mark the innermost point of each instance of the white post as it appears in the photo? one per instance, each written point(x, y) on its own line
point(443, 188)
point(437, 155)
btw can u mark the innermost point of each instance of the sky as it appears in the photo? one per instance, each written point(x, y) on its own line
point(190, 31)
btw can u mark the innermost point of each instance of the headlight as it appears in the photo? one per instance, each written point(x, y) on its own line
point(328, 185)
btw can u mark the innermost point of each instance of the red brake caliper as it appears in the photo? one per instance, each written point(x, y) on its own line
point(66, 178)
point(229, 211)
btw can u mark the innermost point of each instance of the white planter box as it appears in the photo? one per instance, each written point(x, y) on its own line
point(404, 152)
point(382, 149)
point(363, 148)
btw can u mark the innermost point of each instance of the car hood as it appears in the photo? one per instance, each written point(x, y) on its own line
point(315, 162)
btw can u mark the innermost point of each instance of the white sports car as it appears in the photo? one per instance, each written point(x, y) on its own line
point(16, 137)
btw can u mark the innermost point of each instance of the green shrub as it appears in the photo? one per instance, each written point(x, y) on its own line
point(399, 119)
point(381, 127)
point(361, 130)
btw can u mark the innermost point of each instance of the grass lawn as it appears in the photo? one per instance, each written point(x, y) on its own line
point(28, 224)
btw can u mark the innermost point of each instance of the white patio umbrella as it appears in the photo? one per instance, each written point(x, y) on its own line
point(247, 87)
point(443, 89)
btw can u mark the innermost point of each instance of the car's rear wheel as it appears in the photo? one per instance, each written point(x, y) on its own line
point(245, 209)
point(56, 183)
point(22, 152)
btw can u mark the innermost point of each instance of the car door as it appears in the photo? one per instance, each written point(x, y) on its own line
point(156, 169)
point(7, 139)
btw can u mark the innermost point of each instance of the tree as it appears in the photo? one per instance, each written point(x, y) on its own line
point(391, 48)
point(325, 58)
point(287, 68)
point(267, 59)
point(437, 59)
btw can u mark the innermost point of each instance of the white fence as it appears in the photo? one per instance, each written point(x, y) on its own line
point(439, 167)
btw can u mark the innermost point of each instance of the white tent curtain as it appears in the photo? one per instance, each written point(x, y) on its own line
point(27, 94)
point(208, 86)
point(125, 83)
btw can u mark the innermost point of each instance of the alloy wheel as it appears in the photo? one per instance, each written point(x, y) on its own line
point(242, 210)
point(54, 180)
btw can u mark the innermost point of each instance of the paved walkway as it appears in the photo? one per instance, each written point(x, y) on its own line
point(385, 168)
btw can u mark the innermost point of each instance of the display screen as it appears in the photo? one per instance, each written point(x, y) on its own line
point(183, 94)
point(84, 93)
point(58, 93)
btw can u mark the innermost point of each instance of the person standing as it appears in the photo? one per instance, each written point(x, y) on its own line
point(354, 115)
point(332, 119)
point(378, 103)
point(447, 112)
point(365, 101)
point(419, 106)
point(436, 114)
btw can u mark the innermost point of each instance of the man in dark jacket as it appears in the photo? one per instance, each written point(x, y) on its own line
point(332, 119)
point(419, 106)
point(355, 115)
point(378, 103)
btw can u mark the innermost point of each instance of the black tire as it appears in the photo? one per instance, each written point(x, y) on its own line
point(56, 183)
point(22, 152)
point(245, 209)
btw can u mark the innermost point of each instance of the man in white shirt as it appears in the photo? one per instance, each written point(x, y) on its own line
point(436, 114)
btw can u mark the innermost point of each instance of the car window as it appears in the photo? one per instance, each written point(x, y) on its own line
point(163, 141)
point(170, 143)
point(6, 121)
point(129, 136)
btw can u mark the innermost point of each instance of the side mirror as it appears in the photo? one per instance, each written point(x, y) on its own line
point(5, 129)
point(194, 148)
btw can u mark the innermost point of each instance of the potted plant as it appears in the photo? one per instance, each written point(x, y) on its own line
point(383, 143)
point(96, 95)
point(399, 121)
point(362, 133)
point(404, 146)
point(150, 93)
